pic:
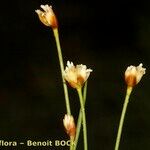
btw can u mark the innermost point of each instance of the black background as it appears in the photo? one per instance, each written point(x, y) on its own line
point(107, 36)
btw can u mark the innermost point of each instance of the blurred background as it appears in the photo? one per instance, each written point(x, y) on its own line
point(107, 36)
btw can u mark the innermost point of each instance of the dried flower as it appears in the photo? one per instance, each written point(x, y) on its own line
point(47, 17)
point(134, 74)
point(76, 75)
point(69, 125)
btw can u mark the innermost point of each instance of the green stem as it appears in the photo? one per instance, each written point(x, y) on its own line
point(80, 118)
point(85, 92)
point(129, 90)
point(84, 118)
point(71, 143)
point(56, 35)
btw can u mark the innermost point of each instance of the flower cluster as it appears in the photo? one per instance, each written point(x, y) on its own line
point(47, 16)
point(134, 74)
point(77, 75)
point(69, 125)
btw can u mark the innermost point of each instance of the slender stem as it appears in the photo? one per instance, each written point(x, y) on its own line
point(80, 118)
point(85, 92)
point(84, 118)
point(71, 143)
point(129, 90)
point(56, 35)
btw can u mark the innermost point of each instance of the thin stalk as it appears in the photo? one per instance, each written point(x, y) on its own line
point(85, 92)
point(80, 118)
point(71, 143)
point(84, 118)
point(129, 90)
point(56, 35)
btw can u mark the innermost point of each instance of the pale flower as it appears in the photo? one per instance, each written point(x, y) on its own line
point(47, 16)
point(77, 75)
point(134, 74)
point(69, 125)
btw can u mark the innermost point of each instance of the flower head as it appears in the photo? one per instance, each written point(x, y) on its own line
point(134, 74)
point(47, 16)
point(69, 125)
point(76, 75)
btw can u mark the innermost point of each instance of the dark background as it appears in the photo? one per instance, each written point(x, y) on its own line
point(107, 36)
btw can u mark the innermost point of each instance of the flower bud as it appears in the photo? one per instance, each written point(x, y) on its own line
point(47, 16)
point(134, 74)
point(69, 125)
point(77, 75)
